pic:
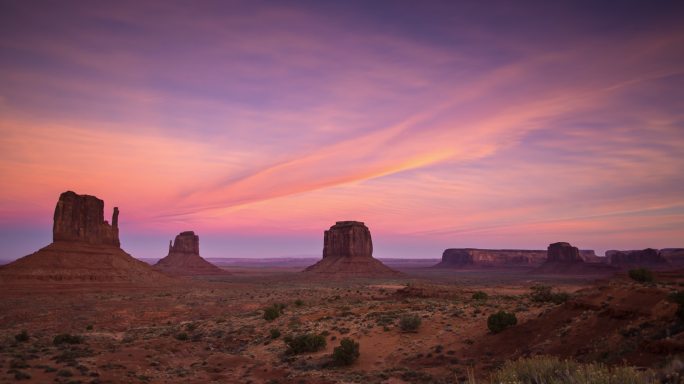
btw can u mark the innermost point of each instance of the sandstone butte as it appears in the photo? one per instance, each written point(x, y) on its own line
point(85, 247)
point(564, 259)
point(348, 252)
point(184, 258)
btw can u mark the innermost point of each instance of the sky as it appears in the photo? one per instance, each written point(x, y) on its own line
point(258, 124)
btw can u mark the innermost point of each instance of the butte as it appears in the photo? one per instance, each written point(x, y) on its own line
point(184, 259)
point(348, 252)
point(84, 248)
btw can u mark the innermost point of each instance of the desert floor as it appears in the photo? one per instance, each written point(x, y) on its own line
point(206, 330)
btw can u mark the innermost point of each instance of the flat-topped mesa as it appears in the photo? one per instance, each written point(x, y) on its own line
point(80, 218)
point(348, 252)
point(644, 257)
point(473, 257)
point(564, 253)
point(347, 239)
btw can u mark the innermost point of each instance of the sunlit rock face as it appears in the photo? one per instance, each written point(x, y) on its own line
point(80, 218)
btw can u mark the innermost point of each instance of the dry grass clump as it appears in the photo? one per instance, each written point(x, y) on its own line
point(552, 370)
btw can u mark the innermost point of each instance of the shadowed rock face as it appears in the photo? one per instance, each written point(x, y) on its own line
point(80, 218)
point(347, 239)
point(645, 257)
point(472, 257)
point(563, 252)
point(348, 251)
point(184, 258)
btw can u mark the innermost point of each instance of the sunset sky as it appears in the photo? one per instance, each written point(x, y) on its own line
point(259, 124)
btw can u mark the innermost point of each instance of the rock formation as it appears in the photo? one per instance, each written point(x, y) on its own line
point(80, 218)
point(648, 257)
point(564, 253)
point(564, 259)
point(348, 251)
point(494, 258)
point(184, 258)
point(85, 248)
point(674, 256)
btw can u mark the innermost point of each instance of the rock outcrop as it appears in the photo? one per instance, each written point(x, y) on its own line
point(648, 257)
point(184, 258)
point(80, 218)
point(348, 251)
point(490, 258)
point(85, 248)
point(674, 256)
point(564, 259)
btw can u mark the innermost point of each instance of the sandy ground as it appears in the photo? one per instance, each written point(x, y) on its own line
point(213, 329)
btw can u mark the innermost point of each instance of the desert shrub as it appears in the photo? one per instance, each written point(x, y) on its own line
point(299, 302)
point(409, 323)
point(64, 373)
point(480, 296)
point(641, 275)
point(275, 333)
point(307, 342)
point(273, 311)
point(543, 369)
point(543, 294)
point(346, 353)
point(22, 336)
point(66, 338)
point(182, 336)
point(89, 327)
point(500, 321)
point(678, 298)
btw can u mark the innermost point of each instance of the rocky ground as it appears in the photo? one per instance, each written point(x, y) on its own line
point(214, 330)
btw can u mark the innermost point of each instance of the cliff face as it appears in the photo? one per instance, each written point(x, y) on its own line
point(80, 218)
point(347, 239)
point(648, 257)
point(348, 251)
point(472, 257)
point(564, 253)
point(184, 258)
point(564, 259)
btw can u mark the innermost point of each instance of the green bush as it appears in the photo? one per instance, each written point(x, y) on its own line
point(181, 336)
point(275, 333)
point(551, 370)
point(480, 296)
point(274, 311)
point(22, 336)
point(308, 342)
point(641, 275)
point(409, 323)
point(346, 353)
point(299, 302)
point(543, 294)
point(66, 338)
point(500, 321)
